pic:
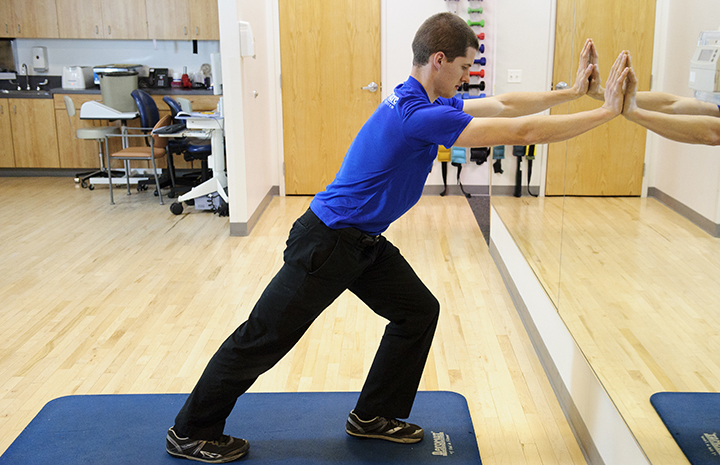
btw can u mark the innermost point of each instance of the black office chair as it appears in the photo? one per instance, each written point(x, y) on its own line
point(149, 116)
point(190, 152)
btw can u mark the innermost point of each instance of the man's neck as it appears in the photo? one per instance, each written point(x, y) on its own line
point(423, 74)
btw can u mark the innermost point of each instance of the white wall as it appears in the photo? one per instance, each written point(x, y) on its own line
point(172, 54)
point(688, 173)
point(522, 31)
point(250, 91)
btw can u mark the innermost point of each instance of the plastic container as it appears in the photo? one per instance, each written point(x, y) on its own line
point(116, 88)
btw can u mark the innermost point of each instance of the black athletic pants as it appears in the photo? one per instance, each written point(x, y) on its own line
point(320, 263)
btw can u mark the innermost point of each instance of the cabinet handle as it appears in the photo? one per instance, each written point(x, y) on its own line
point(185, 29)
point(97, 30)
point(2, 109)
point(18, 29)
point(109, 30)
point(15, 109)
point(197, 31)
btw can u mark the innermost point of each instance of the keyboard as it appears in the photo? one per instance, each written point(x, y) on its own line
point(171, 129)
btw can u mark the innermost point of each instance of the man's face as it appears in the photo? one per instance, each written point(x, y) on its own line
point(453, 74)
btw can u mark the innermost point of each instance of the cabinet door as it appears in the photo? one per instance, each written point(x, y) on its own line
point(35, 18)
point(168, 19)
point(6, 19)
point(204, 19)
point(80, 19)
point(124, 19)
point(7, 155)
point(34, 133)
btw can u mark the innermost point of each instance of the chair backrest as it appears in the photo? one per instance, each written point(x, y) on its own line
point(185, 104)
point(175, 107)
point(70, 107)
point(161, 142)
point(149, 114)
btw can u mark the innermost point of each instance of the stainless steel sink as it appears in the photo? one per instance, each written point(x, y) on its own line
point(4, 93)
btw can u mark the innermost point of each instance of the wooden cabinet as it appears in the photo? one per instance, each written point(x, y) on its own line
point(102, 19)
point(80, 19)
point(182, 19)
point(168, 19)
point(7, 154)
point(204, 21)
point(124, 19)
point(34, 134)
point(110, 19)
point(6, 19)
point(34, 18)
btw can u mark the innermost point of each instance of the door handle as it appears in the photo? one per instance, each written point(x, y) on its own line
point(372, 87)
point(561, 85)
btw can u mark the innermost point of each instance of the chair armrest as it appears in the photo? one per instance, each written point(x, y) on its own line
point(145, 136)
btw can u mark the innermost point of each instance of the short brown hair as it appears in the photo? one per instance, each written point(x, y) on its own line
point(443, 32)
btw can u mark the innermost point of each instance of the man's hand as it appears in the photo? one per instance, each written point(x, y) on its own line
point(595, 89)
point(630, 104)
point(617, 84)
point(585, 68)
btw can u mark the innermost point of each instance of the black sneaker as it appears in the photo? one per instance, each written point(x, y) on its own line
point(226, 449)
point(389, 429)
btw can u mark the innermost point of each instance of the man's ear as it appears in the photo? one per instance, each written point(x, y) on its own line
point(437, 59)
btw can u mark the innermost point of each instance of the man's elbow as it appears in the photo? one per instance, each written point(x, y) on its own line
point(713, 137)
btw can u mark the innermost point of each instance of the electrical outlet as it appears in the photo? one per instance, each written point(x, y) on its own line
point(514, 75)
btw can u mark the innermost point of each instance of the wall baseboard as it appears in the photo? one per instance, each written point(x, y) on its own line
point(678, 207)
point(435, 189)
point(243, 229)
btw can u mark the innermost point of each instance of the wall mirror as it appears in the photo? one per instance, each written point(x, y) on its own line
point(636, 283)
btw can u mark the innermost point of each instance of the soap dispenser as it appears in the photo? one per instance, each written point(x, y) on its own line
point(39, 60)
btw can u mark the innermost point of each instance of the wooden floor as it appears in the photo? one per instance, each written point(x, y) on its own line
point(639, 288)
point(128, 298)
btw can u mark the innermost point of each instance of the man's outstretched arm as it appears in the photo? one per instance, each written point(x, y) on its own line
point(542, 129)
point(528, 103)
point(691, 128)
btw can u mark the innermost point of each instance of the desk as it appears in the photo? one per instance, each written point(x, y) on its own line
point(212, 124)
point(96, 110)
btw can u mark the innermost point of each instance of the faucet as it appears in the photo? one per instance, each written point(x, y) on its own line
point(24, 69)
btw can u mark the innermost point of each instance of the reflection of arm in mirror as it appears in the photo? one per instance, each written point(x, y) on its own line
point(653, 101)
point(543, 129)
point(659, 112)
point(512, 104)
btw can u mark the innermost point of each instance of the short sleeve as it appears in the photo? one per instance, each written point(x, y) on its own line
point(437, 123)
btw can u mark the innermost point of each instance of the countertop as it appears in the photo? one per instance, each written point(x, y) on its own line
point(8, 89)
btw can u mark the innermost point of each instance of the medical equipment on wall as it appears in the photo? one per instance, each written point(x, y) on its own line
point(705, 68)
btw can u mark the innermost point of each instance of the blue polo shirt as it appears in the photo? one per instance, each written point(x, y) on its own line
point(384, 171)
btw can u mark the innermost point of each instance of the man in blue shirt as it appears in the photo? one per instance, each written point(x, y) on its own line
point(337, 244)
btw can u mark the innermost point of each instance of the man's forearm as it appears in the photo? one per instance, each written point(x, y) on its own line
point(690, 129)
point(529, 103)
point(539, 129)
point(518, 103)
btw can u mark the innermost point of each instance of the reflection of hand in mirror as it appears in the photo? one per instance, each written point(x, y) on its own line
point(616, 84)
point(595, 89)
point(585, 68)
point(630, 104)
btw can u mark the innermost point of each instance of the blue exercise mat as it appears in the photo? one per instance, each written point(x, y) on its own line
point(283, 428)
point(693, 419)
